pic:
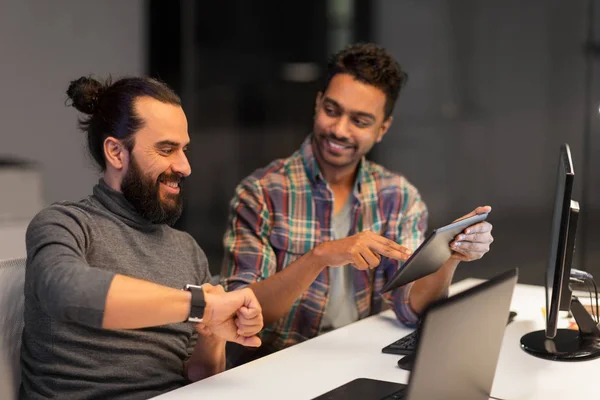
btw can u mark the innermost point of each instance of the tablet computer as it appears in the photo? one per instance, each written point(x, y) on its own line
point(431, 254)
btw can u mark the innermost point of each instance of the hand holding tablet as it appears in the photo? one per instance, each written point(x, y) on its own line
point(432, 253)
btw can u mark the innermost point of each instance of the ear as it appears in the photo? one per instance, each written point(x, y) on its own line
point(384, 128)
point(115, 153)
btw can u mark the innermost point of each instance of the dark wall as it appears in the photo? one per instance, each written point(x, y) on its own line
point(495, 87)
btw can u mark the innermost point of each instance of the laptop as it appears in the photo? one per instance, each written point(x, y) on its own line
point(457, 352)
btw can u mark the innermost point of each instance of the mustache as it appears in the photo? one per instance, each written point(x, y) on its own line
point(168, 178)
point(333, 137)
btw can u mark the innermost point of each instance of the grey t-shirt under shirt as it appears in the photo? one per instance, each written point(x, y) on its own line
point(341, 307)
point(74, 249)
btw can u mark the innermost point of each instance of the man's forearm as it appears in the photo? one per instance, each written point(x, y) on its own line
point(432, 287)
point(207, 359)
point(277, 293)
point(133, 303)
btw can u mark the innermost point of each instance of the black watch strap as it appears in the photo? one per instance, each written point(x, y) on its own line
point(197, 304)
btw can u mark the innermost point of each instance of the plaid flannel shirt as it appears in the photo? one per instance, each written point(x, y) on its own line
point(284, 210)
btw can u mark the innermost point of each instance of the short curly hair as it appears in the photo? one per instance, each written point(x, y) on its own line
point(370, 64)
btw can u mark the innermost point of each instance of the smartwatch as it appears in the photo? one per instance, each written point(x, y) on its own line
point(197, 305)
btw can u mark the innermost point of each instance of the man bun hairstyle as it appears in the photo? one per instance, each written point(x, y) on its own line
point(110, 109)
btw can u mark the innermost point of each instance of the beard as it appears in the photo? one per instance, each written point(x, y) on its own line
point(143, 192)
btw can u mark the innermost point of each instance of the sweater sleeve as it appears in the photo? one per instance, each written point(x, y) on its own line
point(57, 275)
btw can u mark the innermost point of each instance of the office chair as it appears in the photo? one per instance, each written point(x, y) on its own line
point(12, 281)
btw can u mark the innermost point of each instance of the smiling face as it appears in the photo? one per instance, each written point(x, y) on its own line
point(349, 120)
point(158, 163)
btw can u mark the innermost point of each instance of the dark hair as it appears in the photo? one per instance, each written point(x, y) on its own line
point(110, 109)
point(370, 64)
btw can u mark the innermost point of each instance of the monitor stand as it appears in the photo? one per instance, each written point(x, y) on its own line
point(568, 344)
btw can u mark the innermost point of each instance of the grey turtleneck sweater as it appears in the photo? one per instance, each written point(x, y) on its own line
point(74, 249)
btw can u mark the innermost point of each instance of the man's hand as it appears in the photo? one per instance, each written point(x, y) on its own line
point(234, 316)
point(475, 240)
point(364, 250)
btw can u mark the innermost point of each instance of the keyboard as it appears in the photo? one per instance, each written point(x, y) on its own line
point(408, 344)
point(403, 346)
point(399, 395)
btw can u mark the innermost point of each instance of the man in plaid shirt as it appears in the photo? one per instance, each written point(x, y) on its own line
point(318, 234)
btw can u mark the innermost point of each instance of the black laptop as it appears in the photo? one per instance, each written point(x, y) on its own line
point(457, 352)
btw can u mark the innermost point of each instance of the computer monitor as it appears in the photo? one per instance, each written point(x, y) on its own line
point(553, 343)
point(564, 221)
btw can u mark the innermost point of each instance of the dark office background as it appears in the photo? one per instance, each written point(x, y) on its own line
point(495, 87)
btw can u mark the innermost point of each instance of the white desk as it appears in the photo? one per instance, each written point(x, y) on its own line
point(311, 368)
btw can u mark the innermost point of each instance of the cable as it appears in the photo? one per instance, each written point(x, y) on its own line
point(590, 288)
point(583, 277)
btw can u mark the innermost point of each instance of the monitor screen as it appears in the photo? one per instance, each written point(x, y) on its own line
point(558, 242)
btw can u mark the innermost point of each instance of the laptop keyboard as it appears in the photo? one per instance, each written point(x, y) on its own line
point(400, 394)
point(408, 344)
point(403, 346)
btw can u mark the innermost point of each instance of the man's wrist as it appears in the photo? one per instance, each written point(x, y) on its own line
point(208, 358)
point(197, 303)
point(187, 301)
point(209, 300)
point(449, 267)
point(316, 258)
